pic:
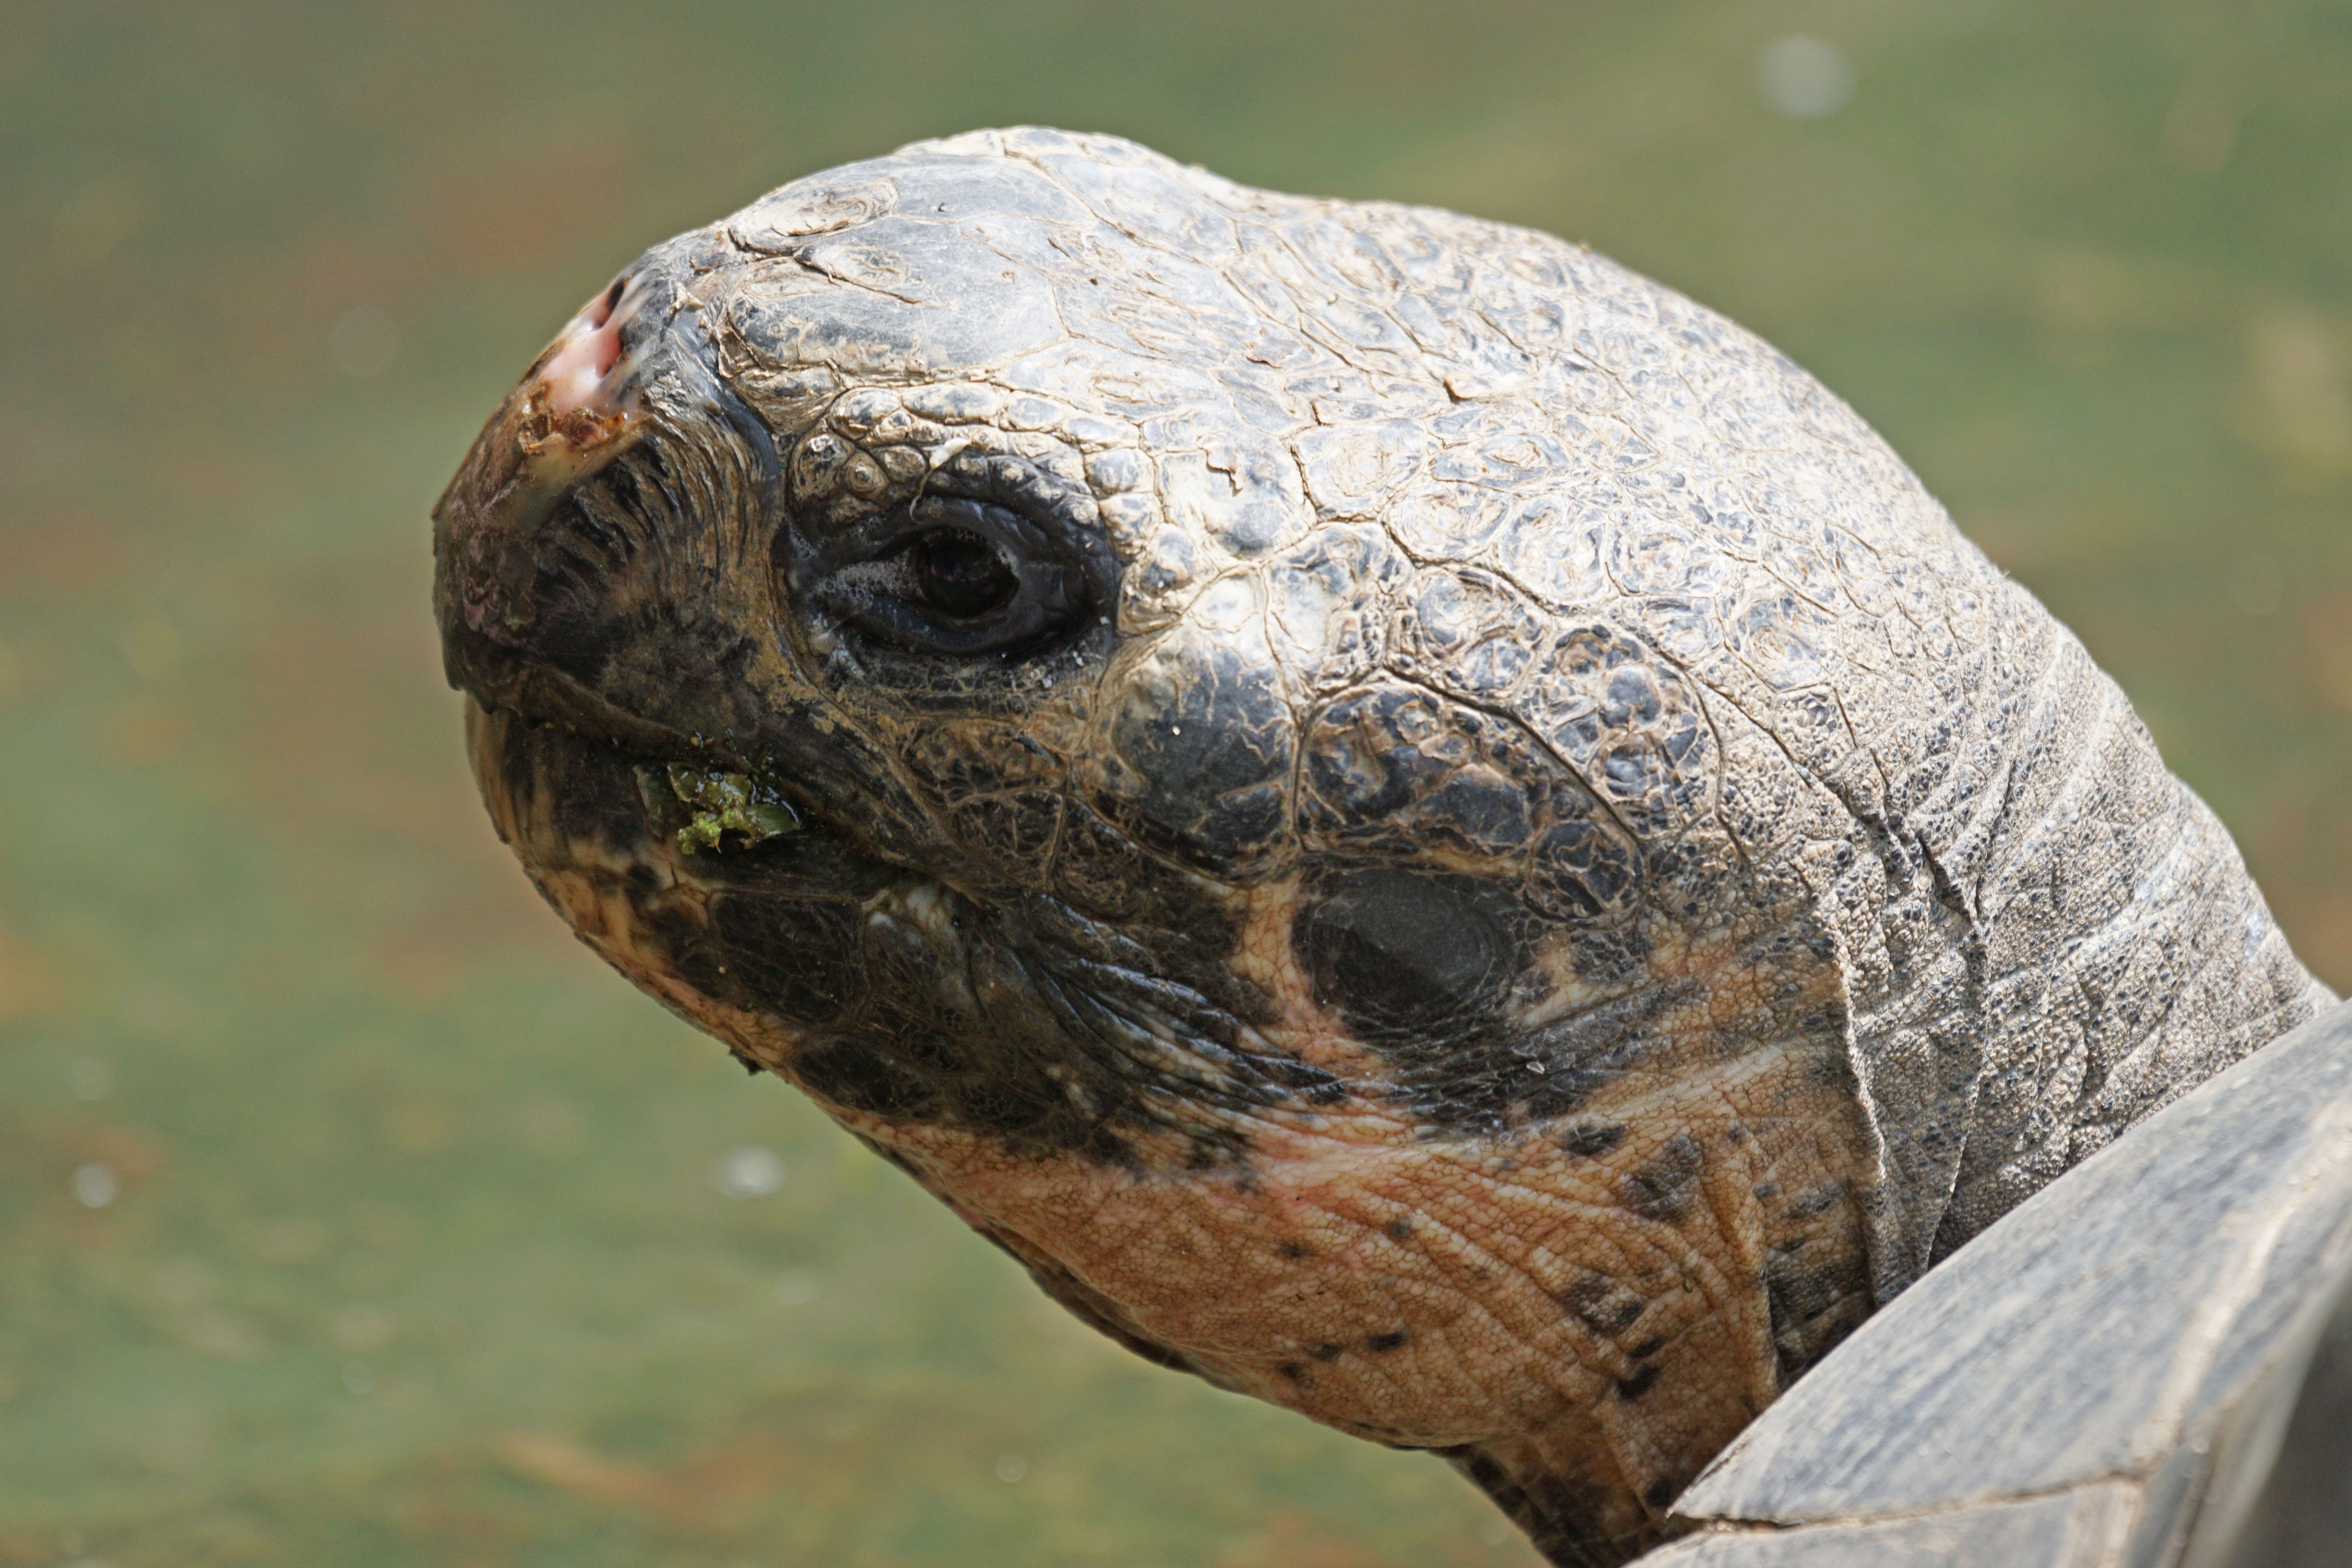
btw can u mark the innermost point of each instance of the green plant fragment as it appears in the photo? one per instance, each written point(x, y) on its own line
point(742, 805)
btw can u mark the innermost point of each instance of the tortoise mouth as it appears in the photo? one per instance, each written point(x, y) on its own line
point(576, 779)
point(536, 695)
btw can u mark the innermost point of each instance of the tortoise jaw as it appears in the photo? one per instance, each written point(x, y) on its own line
point(498, 679)
point(697, 797)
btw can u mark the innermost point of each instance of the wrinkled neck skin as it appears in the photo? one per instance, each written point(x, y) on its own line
point(1530, 881)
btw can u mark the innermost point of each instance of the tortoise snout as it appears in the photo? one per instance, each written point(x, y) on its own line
point(577, 408)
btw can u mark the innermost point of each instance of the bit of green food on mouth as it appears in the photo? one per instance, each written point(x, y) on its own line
point(743, 804)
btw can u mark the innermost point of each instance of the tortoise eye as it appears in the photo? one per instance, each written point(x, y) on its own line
point(960, 574)
point(957, 577)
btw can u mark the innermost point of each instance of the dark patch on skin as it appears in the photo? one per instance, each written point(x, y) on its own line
point(1380, 1344)
point(1554, 1096)
point(1639, 1384)
point(1559, 1522)
point(679, 935)
point(1814, 1306)
point(1415, 962)
point(1815, 1200)
point(1649, 1347)
point(858, 1079)
point(1291, 1250)
point(1660, 1493)
point(1766, 1191)
point(1602, 1303)
point(1398, 1228)
point(1293, 1370)
point(1588, 1140)
point(1662, 1188)
point(981, 1102)
point(1798, 1294)
point(1421, 965)
point(799, 959)
point(1325, 1351)
point(603, 803)
point(1833, 1073)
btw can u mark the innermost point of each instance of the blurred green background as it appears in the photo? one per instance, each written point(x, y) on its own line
point(354, 1215)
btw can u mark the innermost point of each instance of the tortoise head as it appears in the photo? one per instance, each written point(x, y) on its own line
point(1123, 686)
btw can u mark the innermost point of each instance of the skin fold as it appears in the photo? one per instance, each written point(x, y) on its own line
point(1419, 826)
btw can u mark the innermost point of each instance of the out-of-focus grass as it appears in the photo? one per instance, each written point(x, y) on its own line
point(414, 1250)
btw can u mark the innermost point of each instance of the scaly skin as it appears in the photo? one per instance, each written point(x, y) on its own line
point(1419, 826)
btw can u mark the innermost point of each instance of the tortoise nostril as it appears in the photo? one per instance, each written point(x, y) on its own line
point(589, 349)
point(600, 309)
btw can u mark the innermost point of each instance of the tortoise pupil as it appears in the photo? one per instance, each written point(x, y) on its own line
point(959, 573)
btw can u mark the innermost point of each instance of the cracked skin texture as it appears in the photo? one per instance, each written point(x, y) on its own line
point(1419, 826)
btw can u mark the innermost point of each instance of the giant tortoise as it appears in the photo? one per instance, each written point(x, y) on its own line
point(1422, 828)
